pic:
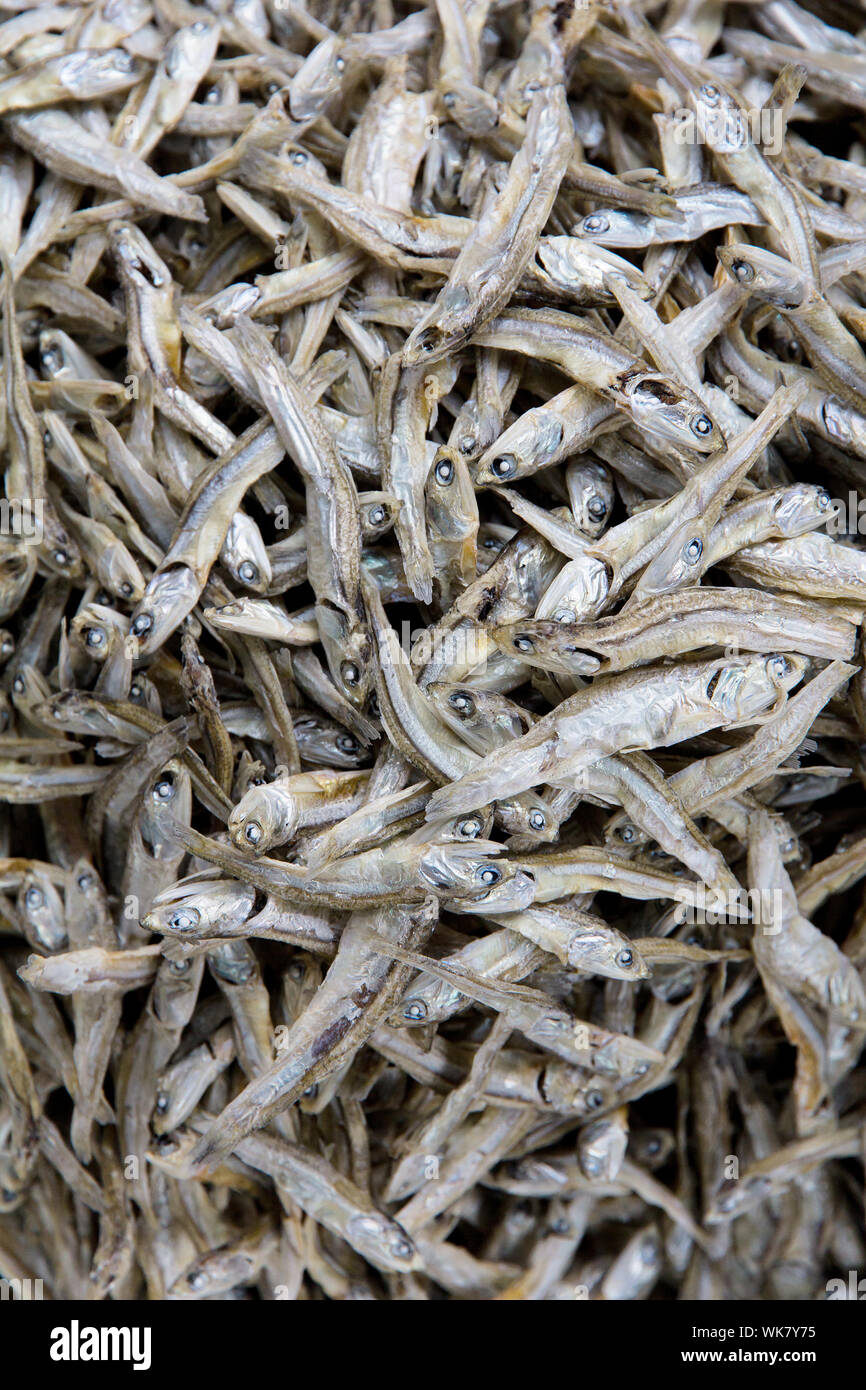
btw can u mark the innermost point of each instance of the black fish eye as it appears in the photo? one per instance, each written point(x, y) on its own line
point(126, 589)
point(489, 875)
point(164, 790)
point(627, 833)
point(197, 1279)
point(461, 702)
point(742, 271)
point(709, 92)
point(523, 643)
point(350, 673)
point(34, 897)
point(180, 967)
point(415, 1011)
point(702, 425)
point(596, 506)
point(377, 515)
point(339, 63)
point(298, 157)
point(253, 832)
point(625, 959)
point(504, 466)
point(347, 744)
point(162, 1103)
point(466, 444)
point(94, 637)
point(823, 500)
point(595, 223)
point(248, 572)
point(470, 828)
point(141, 625)
point(778, 667)
point(444, 471)
point(449, 100)
point(84, 882)
point(694, 549)
point(594, 1099)
point(537, 820)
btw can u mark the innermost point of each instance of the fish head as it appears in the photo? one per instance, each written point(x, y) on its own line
point(591, 495)
point(659, 405)
point(525, 446)
point(318, 79)
point(383, 1241)
point(328, 744)
point(265, 816)
point(678, 563)
point(200, 906)
point(802, 507)
point(550, 643)
point(171, 594)
point(766, 276)
point(41, 907)
point(574, 1090)
point(617, 227)
point(744, 688)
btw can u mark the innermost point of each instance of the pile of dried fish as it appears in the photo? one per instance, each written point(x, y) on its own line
point(433, 737)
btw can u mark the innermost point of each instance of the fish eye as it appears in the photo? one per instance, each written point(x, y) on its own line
point(141, 625)
point(523, 643)
point(34, 897)
point(596, 506)
point(47, 438)
point(162, 1102)
point(350, 673)
point(823, 500)
point(489, 875)
point(653, 1145)
point(742, 271)
point(377, 515)
point(694, 549)
point(626, 833)
point(402, 1248)
point(415, 1011)
point(347, 743)
point(200, 27)
point(470, 828)
point(595, 223)
point(184, 919)
point(504, 466)
point(625, 959)
point(248, 572)
point(125, 589)
point(84, 882)
point(339, 63)
point(94, 637)
point(51, 360)
point(197, 1279)
point(298, 157)
point(164, 790)
point(778, 667)
point(444, 471)
point(61, 557)
point(789, 846)
point(212, 96)
point(311, 1092)
point(180, 967)
point(702, 425)
point(427, 340)
point(136, 690)
point(594, 1099)
point(253, 832)
point(564, 615)
point(462, 702)
point(449, 100)
point(712, 683)
point(18, 685)
point(709, 93)
point(466, 443)
point(537, 820)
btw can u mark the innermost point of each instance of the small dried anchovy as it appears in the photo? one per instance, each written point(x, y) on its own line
point(433, 710)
